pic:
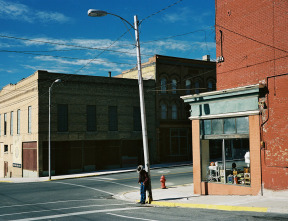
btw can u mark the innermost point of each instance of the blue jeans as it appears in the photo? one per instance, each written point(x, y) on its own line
point(142, 193)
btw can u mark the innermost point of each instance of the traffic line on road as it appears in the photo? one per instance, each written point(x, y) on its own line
point(210, 206)
point(71, 184)
point(113, 182)
point(67, 208)
point(130, 217)
point(76, 214)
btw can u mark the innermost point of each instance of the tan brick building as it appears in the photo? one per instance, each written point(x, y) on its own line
point(175, 77)
point(95, 124)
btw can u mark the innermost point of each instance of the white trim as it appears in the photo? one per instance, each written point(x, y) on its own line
point(237, 114)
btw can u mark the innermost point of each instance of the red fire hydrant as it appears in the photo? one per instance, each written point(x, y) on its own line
point(162, 180)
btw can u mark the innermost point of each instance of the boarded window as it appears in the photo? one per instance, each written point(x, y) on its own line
point(113, 118)
point(11, 123)
point(62, 117)
point(91, 117)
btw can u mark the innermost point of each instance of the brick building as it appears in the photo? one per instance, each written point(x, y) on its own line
point(95, 124)
point(175, 77)
point(245, 121)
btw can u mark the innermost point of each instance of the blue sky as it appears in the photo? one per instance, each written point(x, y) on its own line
point(59, 36)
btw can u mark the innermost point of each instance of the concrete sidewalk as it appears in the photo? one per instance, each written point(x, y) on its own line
point(182, 196)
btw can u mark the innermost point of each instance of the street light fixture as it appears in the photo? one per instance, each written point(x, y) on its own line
point(49, 133)
point(100, 13)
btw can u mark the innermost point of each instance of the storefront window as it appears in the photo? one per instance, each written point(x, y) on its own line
point(225, 153)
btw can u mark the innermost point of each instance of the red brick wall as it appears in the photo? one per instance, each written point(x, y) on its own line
point(254, 45)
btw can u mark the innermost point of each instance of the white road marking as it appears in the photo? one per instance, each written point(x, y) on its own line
point(67, 208)
point(163, 171)
point(113, 182)
point(130, 217)
point(76, 214)
point(34, 204)
point(86, 187)
point(104, 178)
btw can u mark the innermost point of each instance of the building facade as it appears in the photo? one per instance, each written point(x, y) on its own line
point(240, 130)
point(175, 77)
point(95, 124)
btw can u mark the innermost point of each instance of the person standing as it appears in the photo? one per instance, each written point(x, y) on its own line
point(144, 182)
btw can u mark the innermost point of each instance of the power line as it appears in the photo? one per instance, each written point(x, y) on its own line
point(56, 56)
point(163, 9)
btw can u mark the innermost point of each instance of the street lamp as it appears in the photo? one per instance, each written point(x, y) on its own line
point(100, 13)
point(49, 131)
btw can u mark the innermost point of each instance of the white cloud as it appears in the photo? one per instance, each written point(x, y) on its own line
point(21, 12)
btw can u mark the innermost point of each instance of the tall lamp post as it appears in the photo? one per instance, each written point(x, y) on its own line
point(100, 13)
point(49, 130)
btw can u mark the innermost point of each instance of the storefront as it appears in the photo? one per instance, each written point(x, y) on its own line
point(226, 141)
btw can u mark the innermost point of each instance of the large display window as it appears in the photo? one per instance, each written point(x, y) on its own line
point(225, 153)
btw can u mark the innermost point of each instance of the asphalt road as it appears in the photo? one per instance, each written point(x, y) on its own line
point(91, 198)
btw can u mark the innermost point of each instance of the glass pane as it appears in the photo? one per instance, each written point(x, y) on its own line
point(207, 127)
point(217, 126)
point(229, 126)
point(242, 124)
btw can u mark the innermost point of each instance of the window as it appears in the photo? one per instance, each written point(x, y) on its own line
point(0, 124)
point(91, 118)
point(11, 123)
point(188, 86)
point(62, 117)
point(29, 119)
point(225, 150)
point(113, 118)
point(174, 86)
point(137, 126)
point(18, 121)
point(197, 86)
point(163, 86)
point(174, 112)
point(5, 124)
point(210, 85)
point(5, 148)
point(163, 111)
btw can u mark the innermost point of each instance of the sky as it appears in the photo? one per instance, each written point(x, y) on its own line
point(59, 36)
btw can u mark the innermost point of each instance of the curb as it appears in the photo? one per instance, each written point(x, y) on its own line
point(209, 206)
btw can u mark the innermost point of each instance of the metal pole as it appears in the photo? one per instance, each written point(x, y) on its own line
point(142, 107)
point(49, 136)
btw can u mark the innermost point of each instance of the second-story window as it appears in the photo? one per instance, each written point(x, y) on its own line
point(188, 86)
point(163, 86)
point(11, 123)
point(197, 87)
point(210, 85)
point(18, 121)
point(91, 117)
point(174, 86)
point(62, 117)
point(137, 126)
point(0, 124)
point(29, 119)
point(5, 124)
point(113, 118)
point(163, 111)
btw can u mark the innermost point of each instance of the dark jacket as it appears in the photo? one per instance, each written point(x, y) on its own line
point(143, 177)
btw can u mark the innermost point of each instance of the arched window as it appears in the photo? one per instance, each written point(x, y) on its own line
point(197, 86)
point(174, 112)
point(163, 111)
point(163, 85)
point(174, 86)
point(188, 86)
point(210, 85)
